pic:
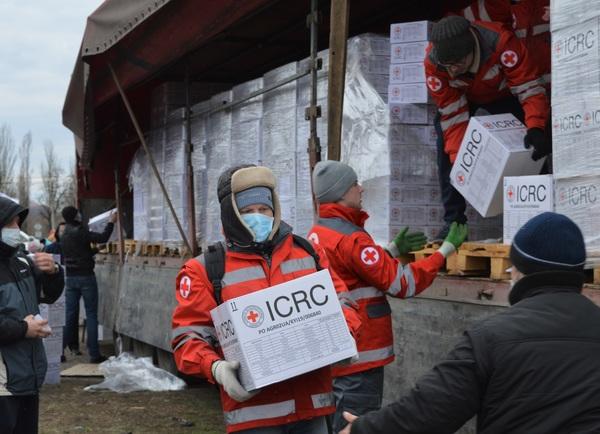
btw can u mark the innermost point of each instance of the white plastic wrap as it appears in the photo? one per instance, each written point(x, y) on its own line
point(564, 13)
point(99, 222)
point(125, 374)
point(576, 137)
point(279, 137)
point(576, 61)
point(579, 198)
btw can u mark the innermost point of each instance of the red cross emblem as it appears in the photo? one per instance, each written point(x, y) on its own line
point(509, 58)
point(185, 286)
point(369, 256)
point(557, 47)
point(587, 118)
point(510, 193)
point(434, 83)
point(460, 178)
point(252, 316)
point(313, 237)
point(398, 50)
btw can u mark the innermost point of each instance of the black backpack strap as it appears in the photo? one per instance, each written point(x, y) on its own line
point(214, 263)
point(306, 245)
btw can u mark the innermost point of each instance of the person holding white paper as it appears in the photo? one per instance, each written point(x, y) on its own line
point(260, 252)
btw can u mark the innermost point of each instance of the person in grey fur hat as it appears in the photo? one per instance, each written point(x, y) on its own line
point(532, 368)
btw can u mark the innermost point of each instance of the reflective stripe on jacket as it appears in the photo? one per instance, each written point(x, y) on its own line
point(370, 273)
point(195, 343)
point(505, 68)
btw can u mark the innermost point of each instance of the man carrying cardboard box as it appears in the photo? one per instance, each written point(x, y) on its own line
point(370, 272)
point(479, 65)
point(260, 252)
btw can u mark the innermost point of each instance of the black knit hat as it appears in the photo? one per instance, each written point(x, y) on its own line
point(451, 38)
point(69, 213)
point(548, 242)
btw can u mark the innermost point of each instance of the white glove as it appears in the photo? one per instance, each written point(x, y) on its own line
point(225, 374)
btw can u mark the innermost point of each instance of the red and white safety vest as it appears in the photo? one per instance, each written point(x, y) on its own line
point(195, 344)
point(370, 274)
point(505, 68)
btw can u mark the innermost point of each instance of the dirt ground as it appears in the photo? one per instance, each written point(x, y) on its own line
point(67, 408)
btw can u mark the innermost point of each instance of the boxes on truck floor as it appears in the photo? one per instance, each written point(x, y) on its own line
point(414, 93)
point(492, 148)
point(284, 331)
point(524, 198)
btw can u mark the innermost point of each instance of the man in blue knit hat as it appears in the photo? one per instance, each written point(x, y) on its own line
point(532, 368)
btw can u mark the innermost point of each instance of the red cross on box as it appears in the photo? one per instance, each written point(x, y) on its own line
point(252, 316)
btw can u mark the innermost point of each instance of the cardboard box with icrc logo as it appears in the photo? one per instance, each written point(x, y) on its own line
point(524, 198)
point(284, 331)
point(492, 148)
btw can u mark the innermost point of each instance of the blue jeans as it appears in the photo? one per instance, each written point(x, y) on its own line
point(75, 288)
point(454, 204)
point(358, 394)
point(317, 425)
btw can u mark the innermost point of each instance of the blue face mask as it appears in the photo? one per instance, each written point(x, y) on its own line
point(11, 236)
point(261, 225)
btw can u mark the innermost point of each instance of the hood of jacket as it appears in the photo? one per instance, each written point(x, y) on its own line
point(8, 211)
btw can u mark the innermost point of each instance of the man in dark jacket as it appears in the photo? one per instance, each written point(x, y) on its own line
point(533, 368)
point(24, 283)
point(81, 280)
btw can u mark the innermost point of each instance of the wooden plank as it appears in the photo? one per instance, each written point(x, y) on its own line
point(498, 268)
point(338, 35)
point(82, 370)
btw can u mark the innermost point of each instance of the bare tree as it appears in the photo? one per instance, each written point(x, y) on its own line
point(7, 161)
point(51, 195)
point(24, 179)
point(69, 186)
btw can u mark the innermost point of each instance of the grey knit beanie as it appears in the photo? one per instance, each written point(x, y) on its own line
point(451, 39)
point(331, 180)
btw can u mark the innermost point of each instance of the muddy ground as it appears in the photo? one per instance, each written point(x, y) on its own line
point(67, 408)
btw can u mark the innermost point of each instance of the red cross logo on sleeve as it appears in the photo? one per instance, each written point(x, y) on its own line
point(313, 237)
point(460, 178)
point(369, 255)
point(509, 58)
point(185, 286)
point(434, 83)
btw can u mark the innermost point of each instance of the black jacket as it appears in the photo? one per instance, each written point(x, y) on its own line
point(78, 255)
point(22, 288)
point(533, 368)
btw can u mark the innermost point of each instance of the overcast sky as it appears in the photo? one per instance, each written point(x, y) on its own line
point(39, 41)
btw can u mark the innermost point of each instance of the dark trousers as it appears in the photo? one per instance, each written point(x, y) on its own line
point(86, 287)
point(19, 414)
point(358, 394)
point(453, 202)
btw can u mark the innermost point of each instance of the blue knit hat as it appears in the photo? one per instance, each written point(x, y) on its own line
point(548, 242)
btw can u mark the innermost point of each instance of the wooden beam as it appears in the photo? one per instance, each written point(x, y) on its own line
point(337, 71)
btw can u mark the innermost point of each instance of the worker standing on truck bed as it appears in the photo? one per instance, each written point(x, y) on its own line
point(475, 66)
point(370, 272)
point(260, 251)
point(532, 368)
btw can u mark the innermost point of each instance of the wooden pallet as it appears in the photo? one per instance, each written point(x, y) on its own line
point(151, 249)
point(428, 250)
point(480, 259)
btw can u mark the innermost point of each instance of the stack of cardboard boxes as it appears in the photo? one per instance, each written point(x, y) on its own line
point(576, 114)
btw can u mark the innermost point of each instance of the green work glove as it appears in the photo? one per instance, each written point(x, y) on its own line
point(457, 234)
point(406, 242)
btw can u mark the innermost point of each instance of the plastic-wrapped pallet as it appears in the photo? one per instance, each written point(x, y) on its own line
point(246, 123)
point(576, 137)
point(174, 175)
point(218, 158)
point(156, 202)
point(279, 136)
point(138, 175)
point(564, 13)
